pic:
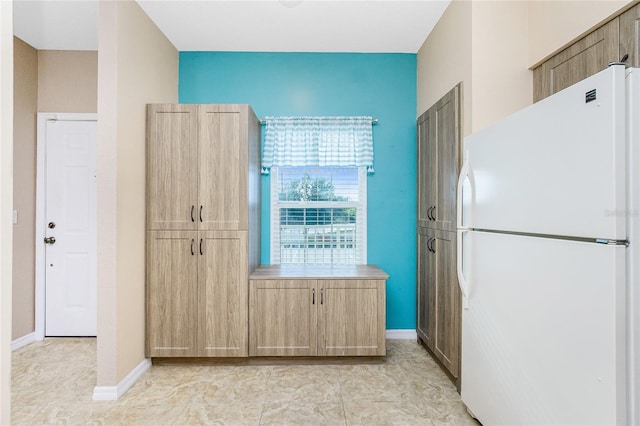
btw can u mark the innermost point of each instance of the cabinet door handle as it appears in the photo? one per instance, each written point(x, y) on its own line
point(429, 245)
point(201, 253)
point(322, 296)
point(192, 241)
point(313, 296)
point(433, 213)
point(200, 214)
point(429, 213)
point(433, 245)
point(192, 209)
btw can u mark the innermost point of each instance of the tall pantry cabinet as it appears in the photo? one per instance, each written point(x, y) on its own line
point(438, 295)
point(203, 228)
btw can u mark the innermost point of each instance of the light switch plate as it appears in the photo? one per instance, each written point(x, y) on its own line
point(15, 217)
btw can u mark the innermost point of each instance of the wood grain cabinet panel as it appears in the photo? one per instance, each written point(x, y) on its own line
point(283, 318)
point(439, 299)
point(427, 169)
point(172, 174)
point(317, 310)
point(438, 296)
point(351, 318)
point(439, 162)
point(582, 59)
point(223, 294)
point(172, 293)
point(222, 181)
point(203, 198)
point(426, 286)
point(630, 36)
point(446, 344)
point(446, 121)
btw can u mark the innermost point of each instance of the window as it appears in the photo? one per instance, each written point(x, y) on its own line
point(318, 215)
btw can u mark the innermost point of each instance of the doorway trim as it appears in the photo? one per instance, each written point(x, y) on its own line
point(40, 269)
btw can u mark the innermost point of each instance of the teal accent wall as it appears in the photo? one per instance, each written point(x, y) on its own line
point(297, 84)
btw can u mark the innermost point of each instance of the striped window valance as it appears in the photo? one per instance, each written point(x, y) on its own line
point(318, 141)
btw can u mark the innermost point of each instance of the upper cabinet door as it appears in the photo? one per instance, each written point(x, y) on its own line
point(172, 174)
point(582, 59)
point(222, 161)
point(427, 168)
point(439, 162)
point(448, 138)
point(630, 36)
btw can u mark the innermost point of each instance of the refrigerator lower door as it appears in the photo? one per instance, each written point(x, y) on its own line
point(543, 337)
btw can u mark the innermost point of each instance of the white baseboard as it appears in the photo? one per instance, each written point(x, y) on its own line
point(23, 341)
point(113, 393)
point(402, 334)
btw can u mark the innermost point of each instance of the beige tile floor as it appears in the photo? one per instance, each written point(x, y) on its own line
point(53, 380)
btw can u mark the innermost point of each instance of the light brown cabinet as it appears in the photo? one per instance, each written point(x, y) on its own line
point(611, 42)
point(578, 61)
point(439, 300)
point(283, 317)
point(172, 293)
point(198, 166)
point(203, 228)
point(438, 295)
point(630, 36)
point(194, 307)
point(314, 310)
point(438, 162)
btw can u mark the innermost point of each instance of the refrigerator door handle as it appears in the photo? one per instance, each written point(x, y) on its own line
point(464, 172)
point(462, 282)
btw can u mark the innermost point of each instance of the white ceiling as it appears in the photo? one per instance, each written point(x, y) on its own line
point(239, 25)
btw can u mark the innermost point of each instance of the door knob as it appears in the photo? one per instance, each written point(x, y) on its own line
point(50, 240)
point(51, 225)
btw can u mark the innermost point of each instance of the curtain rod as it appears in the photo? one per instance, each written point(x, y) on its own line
point(373, 121)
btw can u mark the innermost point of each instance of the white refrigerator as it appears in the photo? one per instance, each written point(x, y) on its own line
point(548, 259)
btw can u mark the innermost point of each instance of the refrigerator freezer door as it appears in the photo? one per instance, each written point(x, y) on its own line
point(556, 167)
point(543, 338)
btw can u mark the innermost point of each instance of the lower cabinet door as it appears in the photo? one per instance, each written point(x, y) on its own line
point(283, 317)
point(351, 317)
point(222, 294)
point(448, 313)
point(426, 286)
point(172, 293)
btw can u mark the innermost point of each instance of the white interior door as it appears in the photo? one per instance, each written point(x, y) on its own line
point(71, 231)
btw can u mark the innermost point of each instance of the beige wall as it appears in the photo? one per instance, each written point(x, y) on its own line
point(444, 60)
point(501, 82)
point(468, 44)
point(25, 103)
point(137, 65)
point(6, 200)
point(490, 46)
point(67, 81)
point(552, 24)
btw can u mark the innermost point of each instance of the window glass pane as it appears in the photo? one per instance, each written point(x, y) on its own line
point(318, 184)
point(316, 214)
